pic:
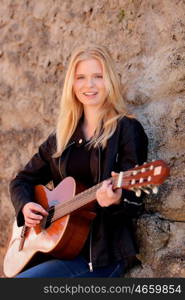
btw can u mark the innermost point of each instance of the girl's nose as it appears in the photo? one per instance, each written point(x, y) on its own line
point(90, 82)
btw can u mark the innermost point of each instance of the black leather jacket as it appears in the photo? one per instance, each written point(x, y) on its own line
point(112, 232)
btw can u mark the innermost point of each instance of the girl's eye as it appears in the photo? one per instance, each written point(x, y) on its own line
point(79, 77)
point(83, 77)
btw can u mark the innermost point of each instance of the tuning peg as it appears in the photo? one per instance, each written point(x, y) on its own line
point(133, 181)
point(134, 172)
point(141, 180)
point(137, 192)
point(145, 190)
point(149, 178)
point(155, 189)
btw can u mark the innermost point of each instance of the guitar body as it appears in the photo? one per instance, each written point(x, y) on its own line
point(63, 238)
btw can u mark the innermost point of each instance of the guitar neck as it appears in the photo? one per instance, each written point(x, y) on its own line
point(80, 199)
point(145, 177)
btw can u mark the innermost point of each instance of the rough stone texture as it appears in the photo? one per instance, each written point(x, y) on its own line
point(162, 248)
point(147, 41)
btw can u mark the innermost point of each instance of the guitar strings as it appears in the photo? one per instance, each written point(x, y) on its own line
point(81, 198)
point(72, 204)
point(75, 202)
point(82, 194)
point(86, 192)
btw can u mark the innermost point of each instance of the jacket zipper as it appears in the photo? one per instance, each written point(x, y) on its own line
point(90, 253)
point(90, 241)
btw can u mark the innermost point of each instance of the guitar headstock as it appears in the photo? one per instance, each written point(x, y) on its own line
point(143, 178)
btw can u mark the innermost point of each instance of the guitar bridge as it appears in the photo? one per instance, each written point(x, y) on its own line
point(46, 221)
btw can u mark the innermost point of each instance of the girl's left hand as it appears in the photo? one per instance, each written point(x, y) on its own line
point(105, 194)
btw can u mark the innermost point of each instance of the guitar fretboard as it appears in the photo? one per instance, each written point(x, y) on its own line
point(79, 200)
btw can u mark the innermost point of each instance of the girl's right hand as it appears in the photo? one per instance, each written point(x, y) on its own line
point(33, 213)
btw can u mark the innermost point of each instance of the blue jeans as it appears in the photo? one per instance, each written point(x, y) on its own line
point(77, 267)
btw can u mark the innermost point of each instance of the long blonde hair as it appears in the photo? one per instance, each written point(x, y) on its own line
point(71, 109)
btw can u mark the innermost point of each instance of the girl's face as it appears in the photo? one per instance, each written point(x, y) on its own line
point(89, 85)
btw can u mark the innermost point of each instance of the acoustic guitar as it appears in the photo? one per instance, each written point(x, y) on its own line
point(63, 233)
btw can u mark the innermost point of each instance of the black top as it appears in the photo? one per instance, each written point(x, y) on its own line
point(79, 168)
point(79, 163)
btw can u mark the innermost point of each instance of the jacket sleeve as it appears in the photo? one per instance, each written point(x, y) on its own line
point(132, 151)
point(37, 171)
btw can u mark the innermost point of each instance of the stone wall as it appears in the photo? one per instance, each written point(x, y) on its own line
point(147, 41)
